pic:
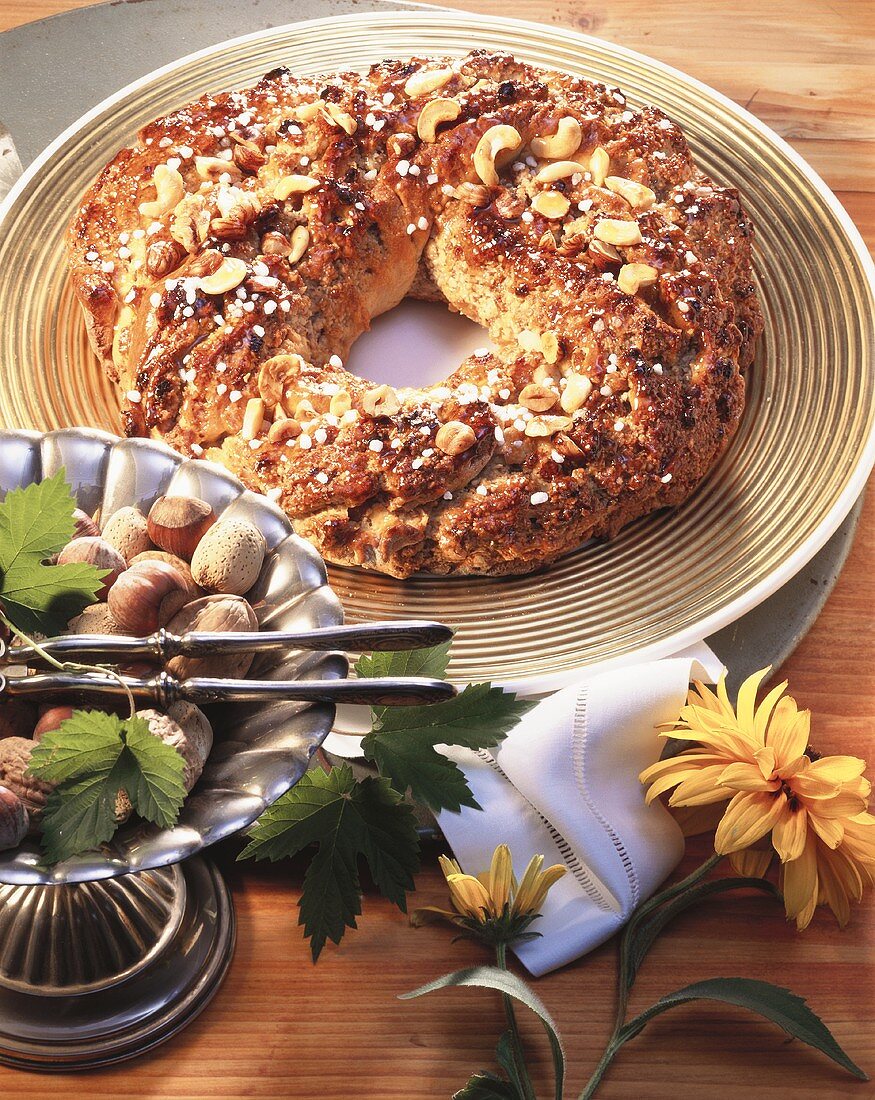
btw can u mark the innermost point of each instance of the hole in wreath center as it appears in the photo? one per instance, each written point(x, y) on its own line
point(415, 344)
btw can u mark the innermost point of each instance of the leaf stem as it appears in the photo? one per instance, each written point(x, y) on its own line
point(70, 666)
point(513, 1028)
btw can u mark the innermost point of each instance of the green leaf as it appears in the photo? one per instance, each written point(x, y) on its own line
point(44, 598)
point(638, 938)
point(90, 758)
point(506, 1057)
point(36, 521)
point(154, 779)
point(486, 1086)
point(771, 1001)
point(347, 819)
point(403, 747)
point(410, 662)
point(493, 977)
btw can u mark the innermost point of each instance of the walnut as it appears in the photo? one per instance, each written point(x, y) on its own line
point(213, 613)
point(190, 224)
point(15, 753)
point(186, 729)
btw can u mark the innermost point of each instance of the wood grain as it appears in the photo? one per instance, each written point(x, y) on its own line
point(281, 1028)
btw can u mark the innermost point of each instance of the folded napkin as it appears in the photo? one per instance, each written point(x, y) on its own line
point(565, 784)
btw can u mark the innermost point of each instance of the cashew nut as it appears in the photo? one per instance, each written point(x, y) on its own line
point(432, 115)
point(560, 145)
point(560, 170)
point(495, 148)
point(210, 168)
point(169, 190)
point(338, 116)
point(637, 195)
point(230, 273)
point(427, 80)
point(616, 231)
point(294, 185)
point(633, 276)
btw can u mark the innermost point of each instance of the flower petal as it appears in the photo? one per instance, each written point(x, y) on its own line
point(700, 788)
point(695, 820)
point(749, 816)
point(745, 704)
point(790, 833)
point(788, 730)
point(764, 711)
point(799, 885)
point(751, 862)
point(500, 876)
point(837, 769)
point(830, 830)
point(747, 777)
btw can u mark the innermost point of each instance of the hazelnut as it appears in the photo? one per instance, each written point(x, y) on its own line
point(96, 619)
point(95, 551)
point(213, 613)
point(177, 524)
point(14, 819)
point(128, 532)
point(51, 719)
point(83, 524)
point(171, 559)
point(187, 730)
point(17, 718)
point(229, 557)
point(15, 755)
point(147, 595)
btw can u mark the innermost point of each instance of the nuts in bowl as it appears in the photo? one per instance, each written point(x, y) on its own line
point(148, 513)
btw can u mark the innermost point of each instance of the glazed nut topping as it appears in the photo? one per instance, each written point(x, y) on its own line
point(562, 144)
point(551, 204)
point(381, 401)
point(427, 80)
point(605, 251)
point(540, 426)
point(211, 168)
point(162, 257)
point(560, 170)
point(599, 165)
point(537, 398)
point(495, 147)
point(247, 156)
point(275, 244)
point(637, 195)
point(294, 185)
point(634, 276)
point(306, 112)
point(475, 194)
point(577, 390)
point(432, 115)
point(454, 437)
point(618, 232)
point(550, 346)
point(281, 431)
point(253, 418)
point(227, 276)
point(340, 118)
point(299, 244)
point(169, 190)
point(340, 403)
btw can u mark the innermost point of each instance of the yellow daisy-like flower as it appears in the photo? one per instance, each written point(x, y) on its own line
point(493, 905)
point(758, 759)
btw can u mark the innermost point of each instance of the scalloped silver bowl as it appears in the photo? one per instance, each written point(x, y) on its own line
point(260, 750)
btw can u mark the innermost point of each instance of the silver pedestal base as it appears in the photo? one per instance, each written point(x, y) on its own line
point(100, 972)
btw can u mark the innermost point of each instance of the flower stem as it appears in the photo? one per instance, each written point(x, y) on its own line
point(519, 1058)
point(624, 976)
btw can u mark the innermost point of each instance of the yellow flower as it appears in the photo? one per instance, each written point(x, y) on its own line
point(757, 758)
point(493, 905)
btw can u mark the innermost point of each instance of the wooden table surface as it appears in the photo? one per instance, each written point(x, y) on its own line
point(282, 1028)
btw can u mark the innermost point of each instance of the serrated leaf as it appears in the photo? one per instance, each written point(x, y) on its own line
point(80, 815)
point(507, 1059)
point(504, 981)
point(36, 520)
point(90, 758)
point(409, 662)
point(348, 820)
point(44, 598)
point(403, 747)
point(155, 785)
point(486, 1086)
point(775, 1003)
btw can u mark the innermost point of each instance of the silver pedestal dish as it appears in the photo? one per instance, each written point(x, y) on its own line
point(109, 953)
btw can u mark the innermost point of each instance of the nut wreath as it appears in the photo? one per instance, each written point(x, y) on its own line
point(227, 262)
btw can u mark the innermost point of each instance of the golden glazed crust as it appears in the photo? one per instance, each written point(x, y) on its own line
point(227, 262)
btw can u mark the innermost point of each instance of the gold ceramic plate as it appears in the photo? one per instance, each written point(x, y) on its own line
point(800, 458)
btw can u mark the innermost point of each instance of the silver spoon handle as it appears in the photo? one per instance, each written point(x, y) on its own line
point(163, 646)
point(164, 690)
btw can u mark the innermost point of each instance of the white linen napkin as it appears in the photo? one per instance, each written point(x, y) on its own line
point(564, 784)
